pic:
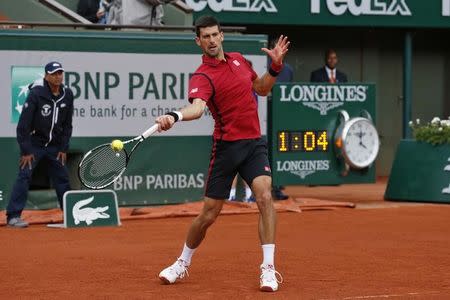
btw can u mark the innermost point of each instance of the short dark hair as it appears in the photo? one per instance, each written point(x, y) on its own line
point(328, 52)
point(206, 21)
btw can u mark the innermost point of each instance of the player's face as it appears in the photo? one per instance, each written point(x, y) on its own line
point(210, 40)
point(332, 60)
point(56, 78)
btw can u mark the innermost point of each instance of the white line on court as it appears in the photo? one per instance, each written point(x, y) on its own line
point(412, 294)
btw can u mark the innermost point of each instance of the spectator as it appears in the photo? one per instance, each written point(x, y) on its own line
point(286, 75)
point(248, 191)
point(329, 73)
point(104, 6)
point(115, 13)
point(43, 133)
point(143, 12)
point(90, 9)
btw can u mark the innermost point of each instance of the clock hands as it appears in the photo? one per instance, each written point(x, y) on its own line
point(360, 135)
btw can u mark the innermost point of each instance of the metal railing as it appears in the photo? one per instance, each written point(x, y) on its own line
point(66, 12)
point(33, 25)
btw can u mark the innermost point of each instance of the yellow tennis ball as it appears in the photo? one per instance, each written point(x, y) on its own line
point(117, 145)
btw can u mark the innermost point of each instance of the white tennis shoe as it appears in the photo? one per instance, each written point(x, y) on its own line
point(178, 270)
point(269, 278)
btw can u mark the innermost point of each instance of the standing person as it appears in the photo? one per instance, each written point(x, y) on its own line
point(225, 82)
point(286, 75)
point(248, 191)
point(144, 12)
point(329, 73)
point(115, 13)
point(90, 9)
point(103, 11)
point(43, 132)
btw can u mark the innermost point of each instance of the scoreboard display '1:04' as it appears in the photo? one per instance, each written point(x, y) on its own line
point(303, 141)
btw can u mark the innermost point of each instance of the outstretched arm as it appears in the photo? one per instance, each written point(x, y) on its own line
point(191, 112)
point(263, 85)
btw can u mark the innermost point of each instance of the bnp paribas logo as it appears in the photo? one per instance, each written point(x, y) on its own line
point(21, 77)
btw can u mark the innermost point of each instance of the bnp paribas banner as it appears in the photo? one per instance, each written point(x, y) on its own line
point(121, 83)
point(395, 13)
point(115, 94)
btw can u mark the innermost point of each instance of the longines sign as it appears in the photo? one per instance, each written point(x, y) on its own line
point(386, 13)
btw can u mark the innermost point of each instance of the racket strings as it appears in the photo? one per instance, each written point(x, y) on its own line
point(102, 166)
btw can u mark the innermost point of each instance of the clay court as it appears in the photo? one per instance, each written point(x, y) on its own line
point(377, 250)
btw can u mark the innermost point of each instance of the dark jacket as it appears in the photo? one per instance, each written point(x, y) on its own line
point(88, 9)
point(45, 120)
point(321, 75)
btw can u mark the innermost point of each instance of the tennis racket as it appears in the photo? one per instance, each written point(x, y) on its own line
point(102, 165)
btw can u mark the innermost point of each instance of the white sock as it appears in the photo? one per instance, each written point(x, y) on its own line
point(268, 254)
point(232, 193)
point(186, 255)
point(248, 193)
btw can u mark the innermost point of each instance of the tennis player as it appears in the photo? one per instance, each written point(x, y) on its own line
point(224, 83)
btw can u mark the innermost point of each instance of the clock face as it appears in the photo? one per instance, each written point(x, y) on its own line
point(361, 143)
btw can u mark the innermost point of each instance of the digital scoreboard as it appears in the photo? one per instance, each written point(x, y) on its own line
point(304, 119)
point(306, 141)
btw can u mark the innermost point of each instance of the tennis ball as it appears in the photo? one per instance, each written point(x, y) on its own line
point(117, 145)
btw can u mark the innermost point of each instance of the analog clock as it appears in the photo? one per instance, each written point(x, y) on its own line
point(358, 141)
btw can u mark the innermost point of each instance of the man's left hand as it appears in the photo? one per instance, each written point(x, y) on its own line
point(279, 51)
point(62, 156)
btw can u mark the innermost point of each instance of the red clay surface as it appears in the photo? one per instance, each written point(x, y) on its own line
point(397, 252)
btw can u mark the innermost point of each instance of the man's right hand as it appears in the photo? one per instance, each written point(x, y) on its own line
point(26, 160)
point(165, 122)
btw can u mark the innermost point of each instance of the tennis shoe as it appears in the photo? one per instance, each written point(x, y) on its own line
point(269, 278)
point(17, 222)
point(178, 270)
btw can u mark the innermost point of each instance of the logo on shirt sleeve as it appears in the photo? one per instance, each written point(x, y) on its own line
point(236, 63)
point(195, 90)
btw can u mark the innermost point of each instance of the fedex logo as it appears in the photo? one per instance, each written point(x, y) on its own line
point(363, 7)
point(233, 5)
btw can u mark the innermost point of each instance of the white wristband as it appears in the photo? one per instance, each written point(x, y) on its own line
point(180, 115)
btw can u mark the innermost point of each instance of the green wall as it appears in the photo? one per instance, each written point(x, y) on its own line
point(29, 11)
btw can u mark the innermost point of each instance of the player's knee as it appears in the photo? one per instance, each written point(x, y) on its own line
point(264, 199)
point(208, 219)
point(209, 216)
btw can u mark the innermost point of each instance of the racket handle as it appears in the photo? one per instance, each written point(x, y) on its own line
point(150, 131)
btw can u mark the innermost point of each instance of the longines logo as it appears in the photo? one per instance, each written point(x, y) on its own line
point(323, 97)
point(303, 168)
point(233, 5)
point(363, 7)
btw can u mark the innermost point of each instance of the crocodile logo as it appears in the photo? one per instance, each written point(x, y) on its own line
point(81, 213)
